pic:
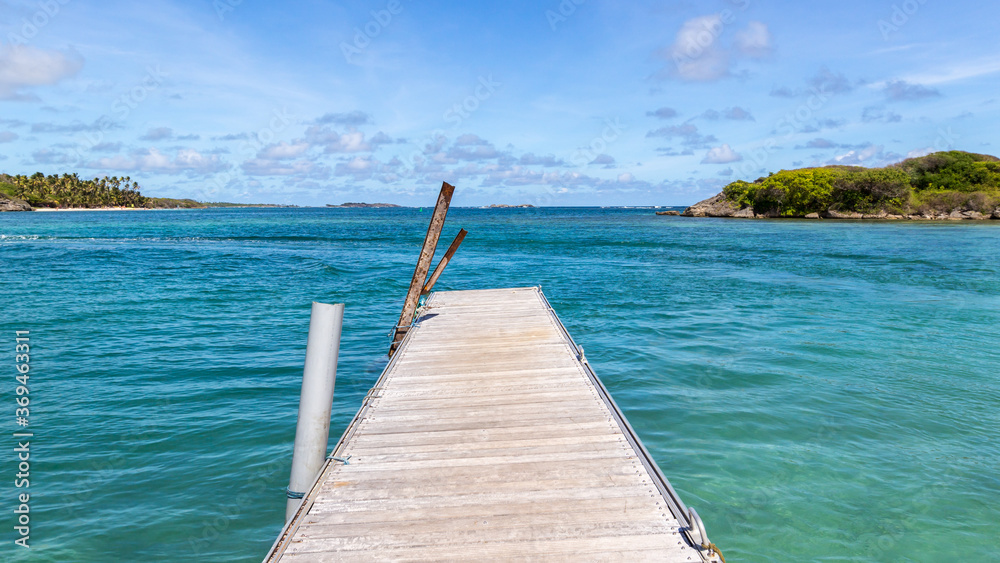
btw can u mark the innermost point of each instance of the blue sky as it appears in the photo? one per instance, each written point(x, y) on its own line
point(578, 102)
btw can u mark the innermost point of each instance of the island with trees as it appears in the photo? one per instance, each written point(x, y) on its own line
point(362, 205)
point(939, 186)
point(69, 191)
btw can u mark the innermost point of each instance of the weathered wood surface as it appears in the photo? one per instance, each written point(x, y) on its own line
point(486, 438)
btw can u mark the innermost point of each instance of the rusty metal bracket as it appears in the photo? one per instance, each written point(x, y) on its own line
point(423, 262)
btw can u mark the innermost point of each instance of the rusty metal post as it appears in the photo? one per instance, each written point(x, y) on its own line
point(444, 262)
point(423, 264)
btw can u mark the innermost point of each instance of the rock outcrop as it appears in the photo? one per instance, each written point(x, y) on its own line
point(717, 206)
point(7, 204)
point(831, 214)
point(671, 212)
point(358, 204)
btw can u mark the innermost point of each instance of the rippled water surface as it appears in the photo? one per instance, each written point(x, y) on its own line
point(818, 390)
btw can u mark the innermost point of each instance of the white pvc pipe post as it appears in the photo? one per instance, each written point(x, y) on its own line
point(312, 433)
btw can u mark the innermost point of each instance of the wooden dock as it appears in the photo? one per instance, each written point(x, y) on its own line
point(488, 436)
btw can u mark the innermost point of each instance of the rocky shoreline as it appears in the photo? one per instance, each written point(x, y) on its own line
point(719, 206)
point(7, 204)
point(353, 204)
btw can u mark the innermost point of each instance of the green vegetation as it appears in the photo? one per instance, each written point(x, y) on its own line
point(69, 190)
point(936, 183)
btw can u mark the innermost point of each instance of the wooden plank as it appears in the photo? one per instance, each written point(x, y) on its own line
point(451, 386)
point(477, 534)
point(487, 438)
point(371, 489)
point(543, 500)
point(436, 403)
point(626, 500)
point(560, 459)
point(489, 415)
point(606, 546)
point(471, 449)
point(431, 426)
point(626, 554)
point(406, 374)
point(486, 434)
point(475, 470)
point(508, 521)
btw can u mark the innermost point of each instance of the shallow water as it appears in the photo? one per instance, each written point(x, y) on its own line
point(817, 390)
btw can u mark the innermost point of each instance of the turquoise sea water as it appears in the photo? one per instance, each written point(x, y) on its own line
point(819, 391)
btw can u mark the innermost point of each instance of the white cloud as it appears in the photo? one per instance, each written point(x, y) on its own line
point(7, 136)
point(920, 152)
point(351, 118)
point(868, 156)
point(604, 159)
point(663, 113)
point(954, 72)
point(547, 161)
point(754, 41)
point(380, 138)
point(158, 134)
point(901, 90)
point(269, 167)
point(49, 156)
point(695, 53)
point(830, 82)
point(735, 113)
point(281, 151)
point(472, 147)
point(152, 160)
point(24, 67)
point(333, 142)
point(688, 133)
point(721, 155)
point(360, 167)
point(880, 114)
